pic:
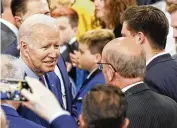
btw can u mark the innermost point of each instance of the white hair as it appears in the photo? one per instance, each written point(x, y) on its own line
point(9, 68)
point(30, 25)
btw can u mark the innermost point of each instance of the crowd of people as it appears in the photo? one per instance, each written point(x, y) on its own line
point(90, 63)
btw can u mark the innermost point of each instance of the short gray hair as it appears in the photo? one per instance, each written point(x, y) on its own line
point(128, 66)
point(33, 23)
point(9, 68)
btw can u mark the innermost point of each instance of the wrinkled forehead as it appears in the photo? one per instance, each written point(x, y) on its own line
point(41, 31)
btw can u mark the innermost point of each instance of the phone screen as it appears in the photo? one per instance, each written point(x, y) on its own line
point(11, 89)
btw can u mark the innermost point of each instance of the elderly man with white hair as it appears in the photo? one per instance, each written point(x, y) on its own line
point(39, 54)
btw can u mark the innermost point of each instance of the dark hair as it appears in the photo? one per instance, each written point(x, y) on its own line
point(114, 8)
point(19, 7)
point(104, 107)
point(96, 39)
point(149, 20)
point(68, 12)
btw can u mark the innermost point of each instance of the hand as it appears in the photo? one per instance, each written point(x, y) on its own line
point(68, 66)
point(41, 100)
point(75, 58)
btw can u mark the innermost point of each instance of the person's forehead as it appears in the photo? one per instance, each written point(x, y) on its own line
point(45, 33)
point(62, 20)
point(83, 46)
point(37, 5)
point(174, 18)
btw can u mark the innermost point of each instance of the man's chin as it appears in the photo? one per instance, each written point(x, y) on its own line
point(49, 69)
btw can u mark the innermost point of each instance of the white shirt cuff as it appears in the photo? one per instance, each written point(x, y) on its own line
point(56, 115)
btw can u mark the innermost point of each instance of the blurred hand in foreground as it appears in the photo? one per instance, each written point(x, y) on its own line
point(41, 100)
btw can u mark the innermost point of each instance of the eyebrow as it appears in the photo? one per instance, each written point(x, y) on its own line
point(81, 50)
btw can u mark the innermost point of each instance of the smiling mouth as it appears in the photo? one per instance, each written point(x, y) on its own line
point(51, 63)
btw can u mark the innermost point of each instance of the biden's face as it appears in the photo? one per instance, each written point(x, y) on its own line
point(42, 52)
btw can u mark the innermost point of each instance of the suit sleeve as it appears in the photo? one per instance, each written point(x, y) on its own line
point(64, 121)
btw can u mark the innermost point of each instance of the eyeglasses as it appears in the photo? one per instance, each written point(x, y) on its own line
point(100, 66)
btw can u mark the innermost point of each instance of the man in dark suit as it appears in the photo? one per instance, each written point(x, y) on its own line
point(8, 67)
point(39, 54)
point(90, 48)
point(149, 26)
point(123, 65)
point(9, 31)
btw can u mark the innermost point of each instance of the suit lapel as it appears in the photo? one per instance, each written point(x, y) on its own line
point(10, 111)
point(136, 89)
point(54, 85)
point(159, 59)
point(62, 67)
point(86, 81)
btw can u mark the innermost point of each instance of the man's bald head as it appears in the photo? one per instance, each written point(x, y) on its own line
point(126, 56)
point(35, 26)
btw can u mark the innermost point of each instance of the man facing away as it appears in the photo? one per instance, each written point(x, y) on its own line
point(149, 26)
point(123, 65)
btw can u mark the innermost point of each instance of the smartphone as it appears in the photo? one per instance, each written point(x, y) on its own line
point(10, 89)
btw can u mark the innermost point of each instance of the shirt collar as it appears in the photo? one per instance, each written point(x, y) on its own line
point(26, 69)
point(8, 105)
point(129, 86)
point(72, 40)
point(10, 26)
point(155, 56)
point(89, 75)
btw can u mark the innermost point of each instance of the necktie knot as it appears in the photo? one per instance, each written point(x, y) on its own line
point(41, 79)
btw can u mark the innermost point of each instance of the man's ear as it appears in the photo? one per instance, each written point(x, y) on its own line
point(140, 37)
point(75, 29)
point(126, 123)
point(82, 122)
point(110, 73)
point(18, 21)
point(24, 48)
point(97, 57)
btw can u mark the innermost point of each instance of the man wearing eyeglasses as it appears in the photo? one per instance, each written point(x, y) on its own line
point(123, 65)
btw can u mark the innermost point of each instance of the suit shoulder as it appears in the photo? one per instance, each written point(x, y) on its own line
point(149, 100)
point(19, 122)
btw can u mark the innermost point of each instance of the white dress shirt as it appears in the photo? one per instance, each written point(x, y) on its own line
point(155, 56)
point(130, 86)
point(58, 73)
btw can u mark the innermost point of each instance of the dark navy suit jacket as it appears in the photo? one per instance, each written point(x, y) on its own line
point(64, 121)
point(12, 49)
point(148, 109)
point(55, 87)
point(16, 121)
point(96, 78)
point(161, 75)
